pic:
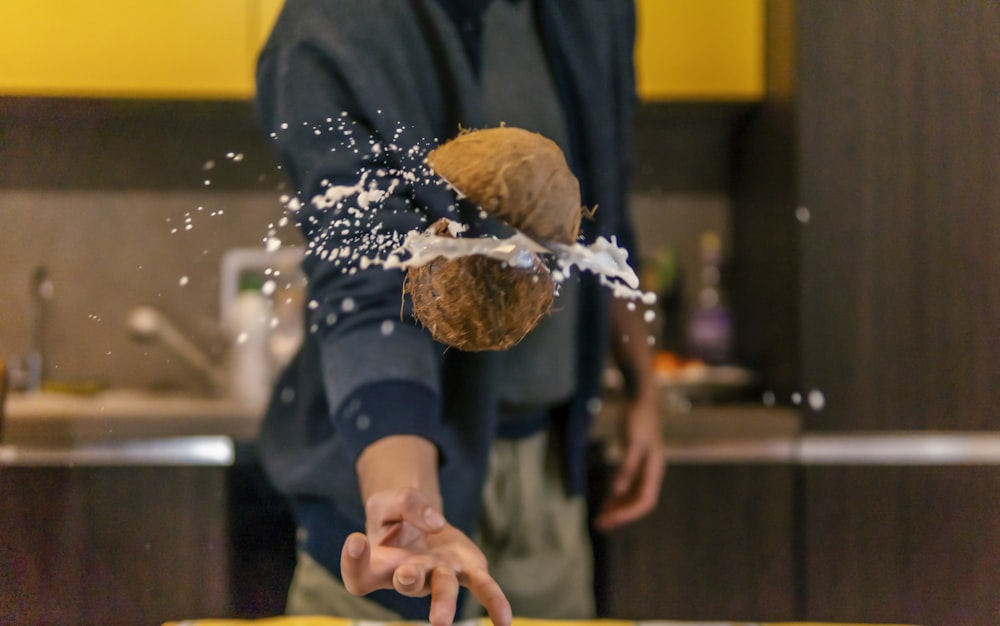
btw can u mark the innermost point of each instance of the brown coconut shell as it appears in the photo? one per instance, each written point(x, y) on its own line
point(517, 175)
point(476, 303)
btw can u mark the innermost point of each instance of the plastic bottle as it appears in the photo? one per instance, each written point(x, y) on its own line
point(249, 357)
point(710, 327)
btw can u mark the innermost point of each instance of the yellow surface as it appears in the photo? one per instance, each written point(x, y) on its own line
point(518, 621)
point(129, 48)
point(264, 13)
point(700, 49)
point(686, 49)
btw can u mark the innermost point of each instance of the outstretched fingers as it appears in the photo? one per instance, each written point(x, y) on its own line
point(422, 575)
point(360, 572)
point(444, 595)
point(412, 576)
point(488, 593)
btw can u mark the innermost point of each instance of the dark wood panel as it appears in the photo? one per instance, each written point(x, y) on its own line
point(903, 545)
point(261, 539)
point(681, 147)
point(900, 263)
point(85, 143)
point(719, 546)
point(112, 545)
point(764, 272)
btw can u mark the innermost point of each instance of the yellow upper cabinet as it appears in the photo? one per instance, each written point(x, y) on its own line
point(686, 49)
point(700, 49)
point(129, 48)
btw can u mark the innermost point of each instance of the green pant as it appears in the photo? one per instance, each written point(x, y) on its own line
point(534, 536)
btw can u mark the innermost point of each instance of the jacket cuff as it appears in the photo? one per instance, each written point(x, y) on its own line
point(384, 408)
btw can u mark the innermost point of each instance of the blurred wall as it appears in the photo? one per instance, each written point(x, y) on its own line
point(125, 203)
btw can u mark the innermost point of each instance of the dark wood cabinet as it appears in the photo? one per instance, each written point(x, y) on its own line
point(867, 213)
point(126, 545)
point(112, 545)
point(898, 143)
point(719, 547)
point(867, 258)
point(914, 545)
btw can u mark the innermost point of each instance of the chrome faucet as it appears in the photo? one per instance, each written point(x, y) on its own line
point(42, 290)
point(148, 324)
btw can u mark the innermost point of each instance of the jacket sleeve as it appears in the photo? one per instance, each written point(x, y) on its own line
point(354, 201)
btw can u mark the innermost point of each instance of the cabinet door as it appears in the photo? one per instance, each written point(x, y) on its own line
point(700, 50)
point(900, 253)
point(167, 49)
point(720, 546)
point(913, 545)
point(113, 545)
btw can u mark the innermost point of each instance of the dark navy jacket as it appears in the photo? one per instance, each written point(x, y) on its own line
point(343, 75)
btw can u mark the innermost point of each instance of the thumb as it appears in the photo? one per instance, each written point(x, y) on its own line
point(428, 519)
point(419, 511)
point(625, 476)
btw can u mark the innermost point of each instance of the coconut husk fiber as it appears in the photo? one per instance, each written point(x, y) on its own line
point(517, 175)
point(476, 303)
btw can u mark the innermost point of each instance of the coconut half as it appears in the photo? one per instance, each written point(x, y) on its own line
point(517, 175)
point(476, 303)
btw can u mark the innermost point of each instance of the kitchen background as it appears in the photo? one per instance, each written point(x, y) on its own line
point(129, 203)
point(847, 157)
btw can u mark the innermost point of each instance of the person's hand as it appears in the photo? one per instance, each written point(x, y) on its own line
point(409, 546)
point(635, 487)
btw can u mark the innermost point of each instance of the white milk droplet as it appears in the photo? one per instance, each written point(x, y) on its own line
point(347, 305)
point(816, 400)
point(183, 281)
point(388, 326)
point(768, 398)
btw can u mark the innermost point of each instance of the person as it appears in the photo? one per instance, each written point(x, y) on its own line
point(418, 474)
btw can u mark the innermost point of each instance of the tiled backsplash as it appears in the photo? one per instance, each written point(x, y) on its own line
point(110, 251)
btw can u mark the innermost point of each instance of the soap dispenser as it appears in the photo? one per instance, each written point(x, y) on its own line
point(250, 363)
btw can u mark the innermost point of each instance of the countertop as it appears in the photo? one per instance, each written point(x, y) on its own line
point(122, 427)
point(53, 417)
point(137, 427)
point(133, 426)
point(713, 433)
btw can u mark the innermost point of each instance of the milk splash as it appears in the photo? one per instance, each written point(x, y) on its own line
point(347, 229)
point(603, 257)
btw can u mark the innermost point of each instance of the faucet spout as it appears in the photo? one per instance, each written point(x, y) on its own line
point(42, 290)
point(148, 324)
